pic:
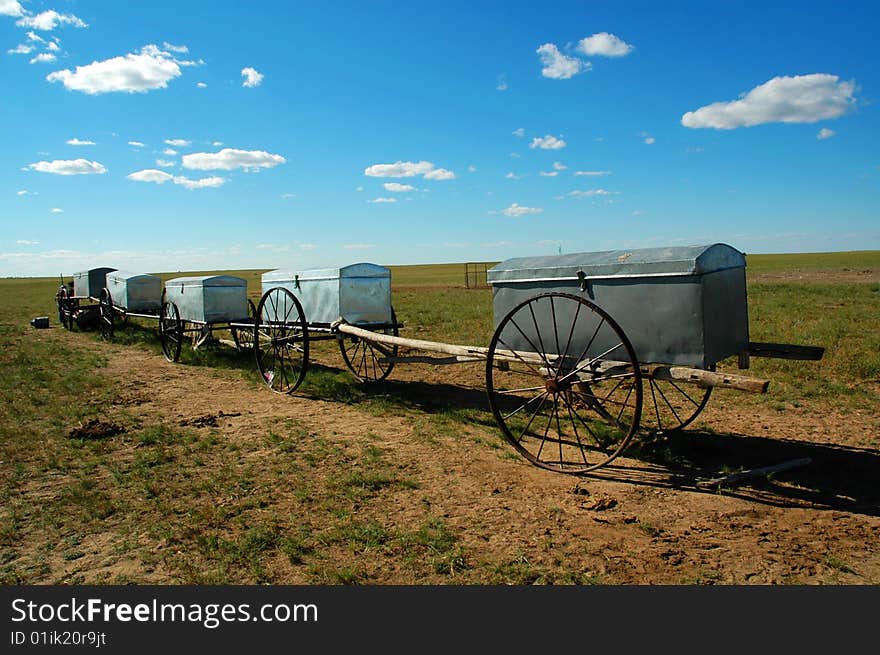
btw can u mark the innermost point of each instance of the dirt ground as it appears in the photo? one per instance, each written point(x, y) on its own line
point(632, 523)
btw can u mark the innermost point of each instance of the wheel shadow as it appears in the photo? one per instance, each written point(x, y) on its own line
point(838, 477)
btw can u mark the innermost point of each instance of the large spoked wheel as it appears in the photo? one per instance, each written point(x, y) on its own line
point(63, 300)
point(106, 314)
point(369, 361)
point(671, 405)
point(563, 382)
point(281, 340)
point(170, 331)
point(244, 336)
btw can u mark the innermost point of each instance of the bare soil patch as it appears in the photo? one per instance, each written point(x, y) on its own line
point(447, 502)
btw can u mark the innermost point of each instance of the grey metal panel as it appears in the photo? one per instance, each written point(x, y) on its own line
point(643, 262)
point(209, 299)
point(88, 284)
point(360, 293)
point(696, 318)
point(135, 292)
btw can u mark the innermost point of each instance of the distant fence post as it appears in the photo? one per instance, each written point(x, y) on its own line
point(475, 275)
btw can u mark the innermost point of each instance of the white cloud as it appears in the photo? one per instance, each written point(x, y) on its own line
point(519, 132)
point(559, 166)
point(798, 99)
point(160, 177)
point(592, 192)
point(21, 49)
point(175, 48)
point(136, 144)
point(519, 210)
point(549, 173)
point(381, 200)
point(27, 242)
point(605, 45)
point(515, 155)
point(288, 195)
point(53, 46)
point(557, 66)
point(43, 58)
point(68, 167)
point(397, 187)
point(201, 85)
point(171, 152)
point(23, 192)
point(217, 144)
point(164, 163)
point(512, 176)
point(177, 143)
point(439, 174)
point(502, 84)
point(229, 159)
point(409, 169)
point(78, 142)
point(591, 173)
point(10, 8)
point(57, 210)
point(825, 133)
point(358, 246)
point(548, 142)
point(472, 169)
point(204, 183)
point(150, 175)
point(141, 72)
point(649, 139)
point(49, 20)
point(251, 77)
point(33, 36)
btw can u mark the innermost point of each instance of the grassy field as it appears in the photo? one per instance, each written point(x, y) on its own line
point(50, 385)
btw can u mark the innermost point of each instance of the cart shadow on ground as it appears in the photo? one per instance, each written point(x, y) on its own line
point(837, 477)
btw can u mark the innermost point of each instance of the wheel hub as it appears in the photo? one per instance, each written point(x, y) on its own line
point(553, 385)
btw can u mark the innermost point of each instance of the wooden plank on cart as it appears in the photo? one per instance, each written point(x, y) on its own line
point(785, 351)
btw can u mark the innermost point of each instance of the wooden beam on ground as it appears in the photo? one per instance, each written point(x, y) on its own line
point(740, 476)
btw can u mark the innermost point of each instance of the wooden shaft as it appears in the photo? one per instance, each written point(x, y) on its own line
point(705, 378)
point(473, 353)
point(477, 352)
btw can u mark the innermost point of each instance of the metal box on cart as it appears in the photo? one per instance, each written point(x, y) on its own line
point(88, 284)
point(679, 305)
point(358, 293)
point(135, 292)
point(209, 298)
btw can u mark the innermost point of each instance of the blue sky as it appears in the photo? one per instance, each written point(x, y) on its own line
point(191, 135)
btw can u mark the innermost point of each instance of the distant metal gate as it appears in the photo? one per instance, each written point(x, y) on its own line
point(475, 275)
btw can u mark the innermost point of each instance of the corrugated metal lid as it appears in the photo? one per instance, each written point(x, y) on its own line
point(128, 275)
point(207, 281)
point(642, 262)
point(361, 269)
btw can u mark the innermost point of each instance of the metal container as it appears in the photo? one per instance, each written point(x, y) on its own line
point(359, 293)
point(209, 298)
point(88, 284)
point(135, 292)
point(682, 305)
